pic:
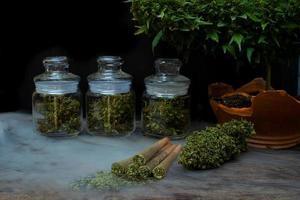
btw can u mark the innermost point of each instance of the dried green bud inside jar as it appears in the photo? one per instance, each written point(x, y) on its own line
point(166, 110)
point(166, 116)
point(56, 102)
point(110, 100)
point(60, 114)
point(111, 114)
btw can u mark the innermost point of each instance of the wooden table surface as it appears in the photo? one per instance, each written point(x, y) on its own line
point(35, 167)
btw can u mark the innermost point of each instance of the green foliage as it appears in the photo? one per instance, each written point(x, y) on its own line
point(60, 114)
point(211, 147)
point(156, 40)
point(111, 114)
point(166, 116)
point(252, 30)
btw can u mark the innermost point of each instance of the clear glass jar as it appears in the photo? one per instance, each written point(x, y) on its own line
point(110, 101)
point(166, 109)
point(56, 102)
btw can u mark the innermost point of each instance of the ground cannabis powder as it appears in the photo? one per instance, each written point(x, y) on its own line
point(104, 180)
point(57, 115)
point(111, 114)
point(236, 101)
point(166, 116)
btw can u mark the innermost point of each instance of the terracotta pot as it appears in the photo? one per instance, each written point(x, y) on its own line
point(219, 89)
point(275, 114)
point(255, 86)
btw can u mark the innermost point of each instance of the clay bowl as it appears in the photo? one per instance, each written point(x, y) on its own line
point(276, 117)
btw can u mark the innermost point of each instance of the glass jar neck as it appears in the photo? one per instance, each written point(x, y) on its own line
point(108, 68)
point(56, 64)
point(109, 63)
point(167, 66)
point(56, 68)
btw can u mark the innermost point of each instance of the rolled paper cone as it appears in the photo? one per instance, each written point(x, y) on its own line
point(146, 170)
point(144, 156)
point(161, 156)
point(161, 170)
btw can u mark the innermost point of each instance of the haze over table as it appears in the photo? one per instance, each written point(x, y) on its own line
point(35, 167)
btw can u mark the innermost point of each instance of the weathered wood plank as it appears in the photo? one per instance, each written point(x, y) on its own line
point(36, 167)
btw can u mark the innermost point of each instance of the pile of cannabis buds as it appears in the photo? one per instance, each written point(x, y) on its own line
point(204, 149)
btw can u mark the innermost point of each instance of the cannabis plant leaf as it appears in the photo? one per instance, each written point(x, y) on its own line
point(253, 17)
point(203, 23)
point(141, 30)
point(249, 54)
point(291, 26)
point(262, 40)
point(264, 25)
point(213, 36)
point(244, 16)
point(276, 40)
point(237, 38)
point(230, 49)
point(156, 40)
point(221, 24)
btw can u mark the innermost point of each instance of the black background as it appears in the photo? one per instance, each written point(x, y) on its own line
point(82, 31)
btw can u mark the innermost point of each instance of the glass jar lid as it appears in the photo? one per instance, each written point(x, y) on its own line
point(56, 79)
point(109, 79)
point(167, 82)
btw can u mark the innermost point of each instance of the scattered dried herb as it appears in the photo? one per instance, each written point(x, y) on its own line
point(211, 147)
point(57, 115)
point(166, 116)
point(111, 114)
point(104, 180)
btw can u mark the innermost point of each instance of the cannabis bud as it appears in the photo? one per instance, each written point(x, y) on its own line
point(213, 146)
point(207, 149)
point(240, 130)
